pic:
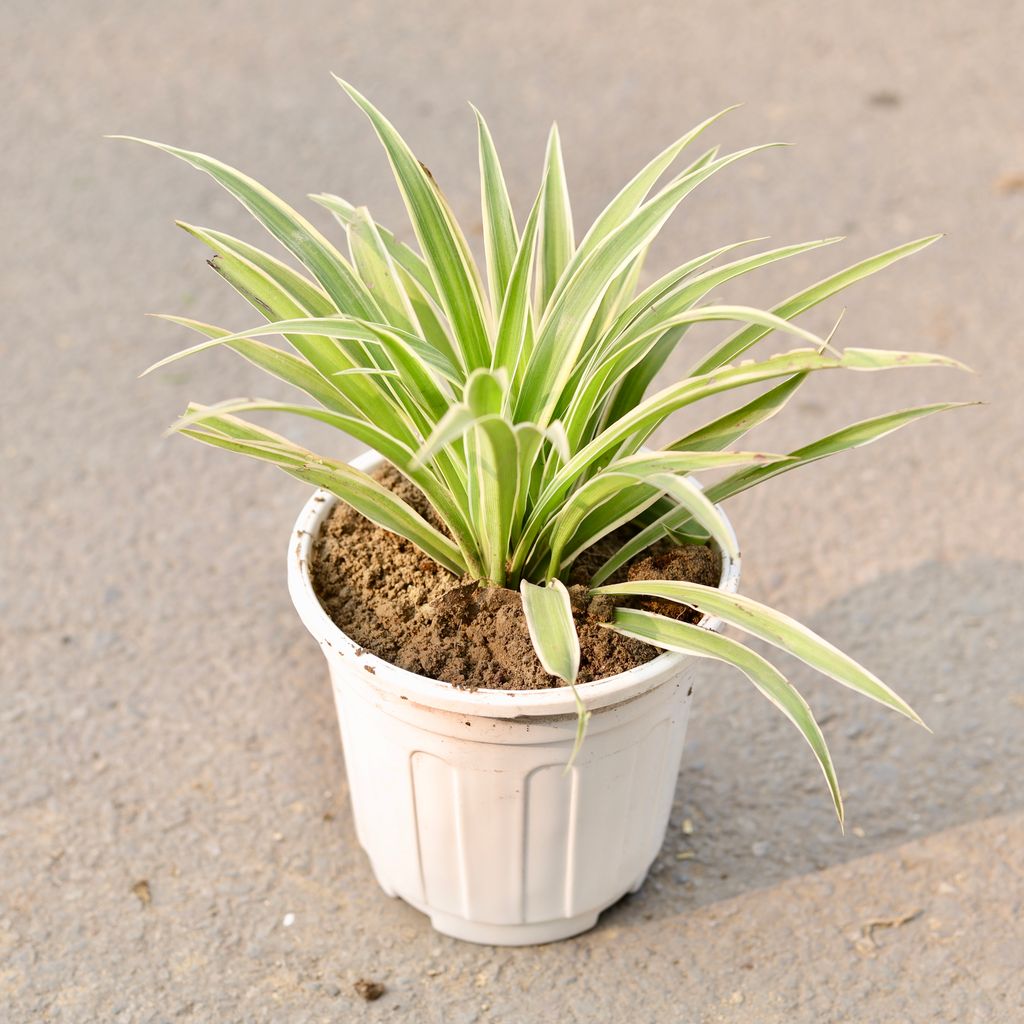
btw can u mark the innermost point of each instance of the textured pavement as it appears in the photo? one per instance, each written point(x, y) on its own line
point(175, 840)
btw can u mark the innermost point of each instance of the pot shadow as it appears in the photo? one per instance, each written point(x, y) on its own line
point(751, 806)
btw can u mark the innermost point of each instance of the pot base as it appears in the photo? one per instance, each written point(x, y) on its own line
point(513, 934)
point(532, 934)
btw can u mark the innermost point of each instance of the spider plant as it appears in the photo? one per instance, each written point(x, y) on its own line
point(519, 398)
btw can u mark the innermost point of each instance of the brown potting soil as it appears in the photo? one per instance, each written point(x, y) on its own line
point(393, 600)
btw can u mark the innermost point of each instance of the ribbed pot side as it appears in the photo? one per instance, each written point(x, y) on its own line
point(462, 800)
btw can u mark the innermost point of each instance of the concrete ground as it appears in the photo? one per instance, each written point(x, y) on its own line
point(175, 840)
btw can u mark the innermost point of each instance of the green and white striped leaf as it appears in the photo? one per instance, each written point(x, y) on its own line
point(566, 323)
point(773, 627)
point(515, 321)
point(724, 431)
point(306, 295)
point(408, 259)
point(493, 490)
point(501, 240)
point(358, 395)
point(552, 628)
point(362, 492)
point(620, 509)
point(803, 300)
point(659, 471)
point(633, 387)
point(557, 241)
point(282, 365)
point(651, 412)
point(369, 434)
point(442, 242)
point(553, 633)
point(854, 436)
point(730, 427)
point(449, 428)
point(684, 638)
point(413, 274)
point(376, 267)
point(290, 228)
point(637, 426)
point(676, 516)
point(420, 360)
point(636, 191)
point(686, 293)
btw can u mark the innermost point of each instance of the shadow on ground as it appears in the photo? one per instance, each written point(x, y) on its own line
point(751, 807)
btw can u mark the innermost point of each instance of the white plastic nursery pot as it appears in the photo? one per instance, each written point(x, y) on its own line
point(461, 799)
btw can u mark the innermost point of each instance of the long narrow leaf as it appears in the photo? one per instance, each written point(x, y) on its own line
point(443, 245)
point(853, 436)
point(552, 628)
point(731, 426)
point(501, 240)
point(494, 490)
point(408, 259)
point(413, 274)
point(282, 365)
point(557, 241)
point(650, 413)
point(566, 324)
point(658, 471)
point(684, 638)
point(369, 434)
point(303, 292)
point(773, 627)
point(803, 300)
point(515, 319)
point(362, 492)
point(634, 385)
point(290, 228)
point(378, 270)
point(625, 204)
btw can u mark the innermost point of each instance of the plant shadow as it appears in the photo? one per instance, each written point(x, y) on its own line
point(751, 806)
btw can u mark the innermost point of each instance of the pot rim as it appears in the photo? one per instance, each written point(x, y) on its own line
point(400, 684)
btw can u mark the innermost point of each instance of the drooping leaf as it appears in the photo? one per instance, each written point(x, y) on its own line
point(362, 492)
point(552, 628)
point(684, 638)
point(773, 627)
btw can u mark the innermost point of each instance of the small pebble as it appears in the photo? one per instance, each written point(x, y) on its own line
point(369, 990)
